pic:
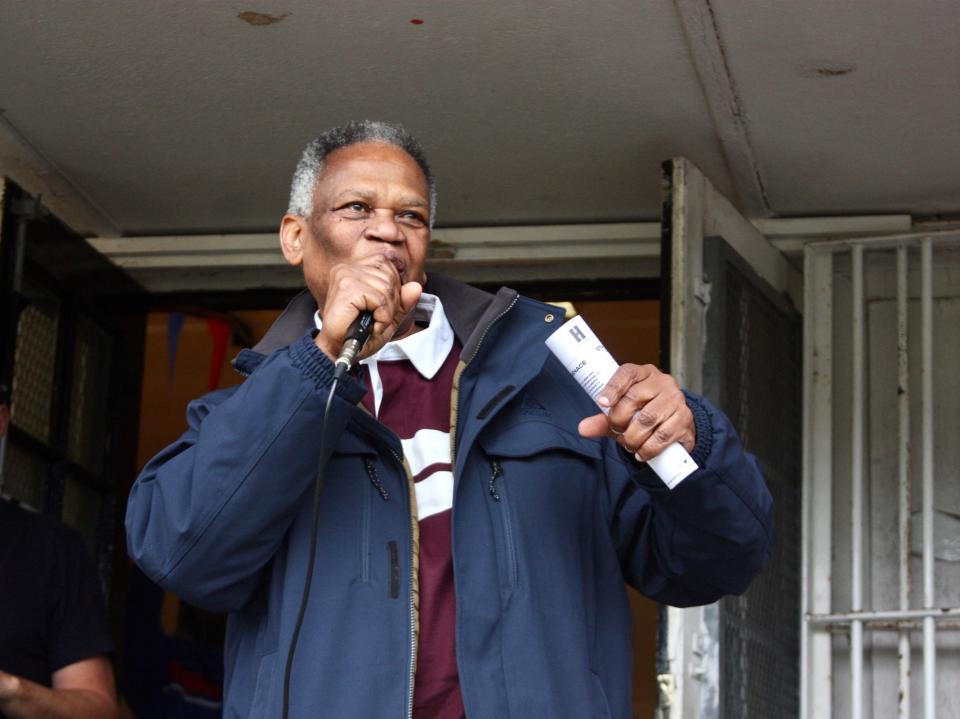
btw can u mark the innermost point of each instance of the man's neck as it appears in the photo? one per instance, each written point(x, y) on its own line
point(408, 326)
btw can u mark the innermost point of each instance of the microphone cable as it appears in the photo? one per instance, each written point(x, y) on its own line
point(356, 337)
point(314, 521)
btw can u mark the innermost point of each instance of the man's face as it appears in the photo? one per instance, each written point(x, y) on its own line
point(371, 198)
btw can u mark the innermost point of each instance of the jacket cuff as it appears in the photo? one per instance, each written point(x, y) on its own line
point(704, 427)
point(309, 358)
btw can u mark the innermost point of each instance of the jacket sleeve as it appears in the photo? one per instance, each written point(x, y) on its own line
point(707, 537)
point(210, 511)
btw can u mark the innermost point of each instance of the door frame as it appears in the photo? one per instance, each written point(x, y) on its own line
point(693, 210)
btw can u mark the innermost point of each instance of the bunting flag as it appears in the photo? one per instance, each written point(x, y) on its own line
point(220, 334)
point(174, 325)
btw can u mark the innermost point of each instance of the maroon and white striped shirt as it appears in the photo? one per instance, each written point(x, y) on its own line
point(410, 381)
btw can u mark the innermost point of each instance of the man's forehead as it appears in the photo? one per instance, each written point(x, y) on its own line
point(367, 151)
point(360, 158)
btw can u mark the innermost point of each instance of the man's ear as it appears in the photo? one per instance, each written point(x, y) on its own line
point(293, 231)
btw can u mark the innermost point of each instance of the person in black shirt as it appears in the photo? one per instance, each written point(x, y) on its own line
point(53, 638)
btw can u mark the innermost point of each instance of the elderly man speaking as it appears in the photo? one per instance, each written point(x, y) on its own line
point(477, 518)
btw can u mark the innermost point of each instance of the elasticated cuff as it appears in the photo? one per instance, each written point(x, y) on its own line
point(311, 360)
point(701, 420)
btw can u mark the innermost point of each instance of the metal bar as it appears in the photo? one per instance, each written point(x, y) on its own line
point(3, 461)
point(888, 241)
point(19, 252)
point(856, 486)
point(816, 651)
point(926, 372)
point(826, 228)
point(809, 358)
point(934, 613)
point(914, 624)
point(903, 472)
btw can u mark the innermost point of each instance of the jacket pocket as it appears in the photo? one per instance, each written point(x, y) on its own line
point(516, 439)
point(374, 485)
point(499, 493)
point(263, 689)
point(538, 491)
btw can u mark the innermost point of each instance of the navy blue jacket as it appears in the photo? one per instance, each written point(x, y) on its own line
point(547, 525)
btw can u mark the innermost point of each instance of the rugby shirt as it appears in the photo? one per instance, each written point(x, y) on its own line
point(409, 384)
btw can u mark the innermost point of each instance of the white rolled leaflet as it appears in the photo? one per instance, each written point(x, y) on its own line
point(587, 360)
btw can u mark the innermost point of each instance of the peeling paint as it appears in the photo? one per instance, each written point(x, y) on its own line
point(257, 19)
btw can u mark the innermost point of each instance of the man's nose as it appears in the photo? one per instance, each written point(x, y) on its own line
point(383, 226)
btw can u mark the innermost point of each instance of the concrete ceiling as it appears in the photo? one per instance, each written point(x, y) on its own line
point(175, 118)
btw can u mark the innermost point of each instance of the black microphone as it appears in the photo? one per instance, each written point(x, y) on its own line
point(357, 337)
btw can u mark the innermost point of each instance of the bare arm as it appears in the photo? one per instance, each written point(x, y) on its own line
point(83, 690)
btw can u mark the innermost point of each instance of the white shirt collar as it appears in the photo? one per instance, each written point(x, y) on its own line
point(427, 349)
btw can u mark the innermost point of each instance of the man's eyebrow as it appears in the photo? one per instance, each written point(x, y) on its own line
point(408, 201)
point(364, 194)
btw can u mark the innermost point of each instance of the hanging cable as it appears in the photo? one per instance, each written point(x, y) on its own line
point(314, 521)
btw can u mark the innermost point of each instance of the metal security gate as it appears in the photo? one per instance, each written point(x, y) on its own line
point(71, 338)
point(881, 484)
point(752, 371)
point(733, 333)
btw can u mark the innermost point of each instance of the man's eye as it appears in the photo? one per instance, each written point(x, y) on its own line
point(355, 209)
point(413, 219)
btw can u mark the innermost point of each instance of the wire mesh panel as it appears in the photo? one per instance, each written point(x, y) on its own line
point(24, 477)
point(33, 369)
point(70, 351)
point(753, 371)
point(91, 367)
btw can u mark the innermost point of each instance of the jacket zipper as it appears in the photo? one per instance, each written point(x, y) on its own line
point(365, 543)
point(456, 383)
point(375, 481)
point(413, 580)
point(496, 471)
point(375, 478)
point(454, 418)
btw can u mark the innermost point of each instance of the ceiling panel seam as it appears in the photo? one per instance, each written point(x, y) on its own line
point(29, 166)
point(699, 22)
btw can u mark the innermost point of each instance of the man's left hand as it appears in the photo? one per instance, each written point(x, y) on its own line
point(648, 412)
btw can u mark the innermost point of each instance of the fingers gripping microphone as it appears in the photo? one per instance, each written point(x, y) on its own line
point(356, 337)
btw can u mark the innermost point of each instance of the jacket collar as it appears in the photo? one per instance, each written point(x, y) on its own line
point(469, 310)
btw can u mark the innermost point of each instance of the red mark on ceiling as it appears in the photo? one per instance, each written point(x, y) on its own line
point(416, 21)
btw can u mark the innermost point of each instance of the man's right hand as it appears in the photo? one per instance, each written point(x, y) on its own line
point(374, 284)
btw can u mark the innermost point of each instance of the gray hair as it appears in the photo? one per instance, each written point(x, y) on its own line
point(311, 162)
